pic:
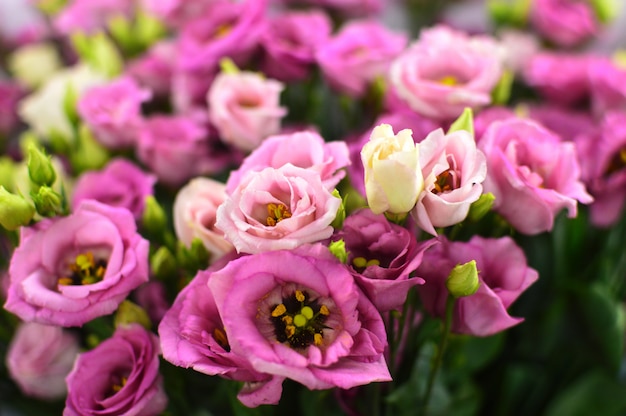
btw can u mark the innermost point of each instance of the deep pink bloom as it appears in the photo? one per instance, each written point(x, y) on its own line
point(567, 123)
point(608, 85)
point(120, 184)
point(10, 94)
point(278, 209)
point(304, 149)
point(349, 9)
point(154, 68)
point(299, 314)
point(40, 357)
point(603, 168)
point(566, 23)
point(90, 16)
point(245, 108)
point(113, 111)
point(503, 274)
point(290, 41)
point(453, 170)
point(445, 71)
point(532, 174)
point(152, 297)
point(362, 51)
point(192, 335)
point(74, 269)
point(118, 377)
point(382, 257)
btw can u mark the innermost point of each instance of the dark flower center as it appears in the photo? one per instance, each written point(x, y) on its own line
point(618, 162)
point(276, 213)
point(85, 270)
point(299, 321)
point(448, 180)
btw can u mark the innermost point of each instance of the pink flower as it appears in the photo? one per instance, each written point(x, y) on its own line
point(603, 168)
point(195, 208)
point(567, 23)
point(118, 377)
point(113, 111)
point(381, 257)
point(177, 13)
point(154, 68)
point(77, 268)
point(152, 297)
point(192, 335)
point(245, 108)
point(313, 326)
point(608, 86)
point(503, 274)
point(176, 148)
point(304, 149)
point(90, 16)
point(120, 184)
point(40, 357)
point(277, 209)
point(446, 71)
point(10, 95)
point(532, 174)
point(290, 42)
point(453, 170)
point(357, 55)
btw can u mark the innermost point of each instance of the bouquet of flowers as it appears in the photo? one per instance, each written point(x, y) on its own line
point(338, 207)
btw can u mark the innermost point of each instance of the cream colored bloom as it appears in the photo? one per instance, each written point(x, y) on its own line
point(33, 64)
point(393, 178)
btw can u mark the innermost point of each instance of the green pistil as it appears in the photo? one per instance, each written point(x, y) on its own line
point(84, 271)
point(362, 262)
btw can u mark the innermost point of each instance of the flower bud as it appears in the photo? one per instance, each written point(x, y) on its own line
point(99, 52)
point(163, 263)
point(481, 207)
point(40, 169)
point(338, 249)
point(154, 219)
point(128, 313)
point(15, 211)
point(47, 202)
point(605, 10)
point(89, 154)
point(464, 122)
point(341, 212)
point(463, 280)
point(7, 172)
point(509, 12)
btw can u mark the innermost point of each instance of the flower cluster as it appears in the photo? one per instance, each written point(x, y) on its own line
point(215, 205)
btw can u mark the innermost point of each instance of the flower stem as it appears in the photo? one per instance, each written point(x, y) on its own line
point(440, 351)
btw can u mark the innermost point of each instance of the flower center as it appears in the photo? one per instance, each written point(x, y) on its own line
point(618, 162)
point(85, 270)
point(220, 337)
point(449, 80)
point(222, 30)
point(276, 213)
point(361, 263)
point(448, 180)
point(299, 321)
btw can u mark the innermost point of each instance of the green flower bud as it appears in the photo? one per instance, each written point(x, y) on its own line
point(481, 207)
point(99, 52)
point(15, 211)
point(50, 7)
point(199, 254)
point(88, 153)
point(502, 91)
point(463, 280)
point(163, 263)
point(7, 172)
point(148, 28)
point(153, 218)
point(130, 313)
point(338, 248)
point(509, 12)
point(464, 122)
point(48, 203)
point(341, 211)
point(605, 10)
point(40, 169)
point(228, 66)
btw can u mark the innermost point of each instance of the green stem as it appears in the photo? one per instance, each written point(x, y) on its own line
point(440, 351)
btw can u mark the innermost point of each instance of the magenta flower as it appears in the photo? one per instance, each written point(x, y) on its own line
point(120, 184)
point(89, 16)
point(566, 23)
point(304, 149)
point(10, 95)
point(503, 275)
point(154, 68)
point(298, 314)
point(192, 336)
point(382, 257)
point(290, 41)
point(40, 357)
point(532, 174)
point(608, 86)
point(357, 55)
point(453, 170)
point(446, 71)
point(118, 377)
point(77, 268)
point(177, 13)
point(113, 111)
point(277, 209)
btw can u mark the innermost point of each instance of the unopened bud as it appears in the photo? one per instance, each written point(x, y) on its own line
point(481, 207)
point(153, 219)
point(15, 211)
point(163, 263)
point(338, 249)
point(130, 313)
point(40, 168)
point(47, 202)
point(463, 280)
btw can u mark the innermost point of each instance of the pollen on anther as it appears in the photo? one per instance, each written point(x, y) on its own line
point(324, 310)
point(299, 296)
point(279, 310)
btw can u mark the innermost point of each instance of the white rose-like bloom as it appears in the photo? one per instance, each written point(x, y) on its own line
point(33, 64)
point(44, 111)
point(195, 208)
point(393, 178)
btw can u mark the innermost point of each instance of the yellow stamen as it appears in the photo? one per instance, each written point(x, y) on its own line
point(290, 330)
point(324, 310)
point(449, 80)
point(222, 31)
point(279, 310)
point(64, 281)
point(318, 339)
point(118, 387)
point(287, 319)
point(299, 296)
point(220, 336)
point(276, 213)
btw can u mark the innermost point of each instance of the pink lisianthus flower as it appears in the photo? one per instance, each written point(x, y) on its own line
point(113, 111)
point(176, 148)
point(453, 170)
point(566, 23)
point(192, 335)
point(40, 357)
point(382, 257)
point(304, 149)
point(446, 71)
point(245, 108)
point(313, 326)
point(608, 86)
point(120, 184)
point(152, 297)
point(118, 377)
point(195, 209)
point(74, 269)
point(154, 68)
point(532, 174)
point(90, 16)
point(277, 209)
point(602, 158)
point(357, 55)
point(346, 8)
point(290, 42)
point(176, 13)
point(503, 275)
